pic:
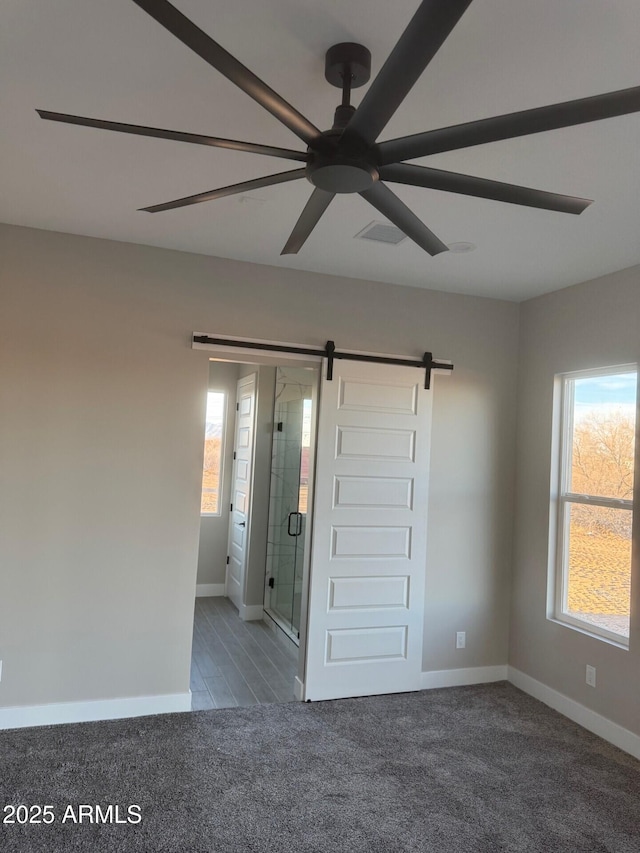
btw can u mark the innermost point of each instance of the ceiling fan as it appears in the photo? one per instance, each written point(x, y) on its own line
point(347, 158)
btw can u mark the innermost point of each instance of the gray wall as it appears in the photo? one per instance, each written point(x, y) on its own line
point(101, 443)
point(590, 325)
point(214, 529)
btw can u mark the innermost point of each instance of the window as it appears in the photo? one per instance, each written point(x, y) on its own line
point(303, 490)
point(213, 446)
point(595, 501)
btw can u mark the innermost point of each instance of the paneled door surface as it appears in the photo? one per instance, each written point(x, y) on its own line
point(241, 490)
point(368, 561)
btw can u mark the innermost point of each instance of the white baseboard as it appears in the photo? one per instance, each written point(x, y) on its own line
point(251, 612)
point(585, 717)
point(298, 689)
point(205, 590)
point(101, 709)
point(461, 677)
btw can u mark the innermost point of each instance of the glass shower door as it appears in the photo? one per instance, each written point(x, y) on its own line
point(290, 461)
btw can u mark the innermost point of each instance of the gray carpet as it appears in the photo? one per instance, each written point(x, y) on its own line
point(459, 770)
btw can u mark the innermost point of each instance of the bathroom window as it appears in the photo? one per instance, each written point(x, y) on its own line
point(595, 501)
point(305, 451)
point(213, 454)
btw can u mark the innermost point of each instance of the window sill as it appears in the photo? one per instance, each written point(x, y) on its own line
point(583, 628)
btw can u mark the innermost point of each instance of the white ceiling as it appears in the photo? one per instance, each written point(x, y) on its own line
point(112, 61)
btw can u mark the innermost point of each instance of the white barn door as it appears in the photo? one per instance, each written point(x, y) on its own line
point(368, 561)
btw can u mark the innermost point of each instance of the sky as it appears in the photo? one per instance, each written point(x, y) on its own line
point(616, 390)
point(215, 406)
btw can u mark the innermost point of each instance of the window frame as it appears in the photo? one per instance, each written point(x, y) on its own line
point(223, 440)
point(565, 498)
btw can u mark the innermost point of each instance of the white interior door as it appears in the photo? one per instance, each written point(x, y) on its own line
point(368, 561)
point(239, 517)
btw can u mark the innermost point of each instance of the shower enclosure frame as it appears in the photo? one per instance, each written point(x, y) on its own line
point(288, 627)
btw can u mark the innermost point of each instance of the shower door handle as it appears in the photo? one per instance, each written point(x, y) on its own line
point(298, 529)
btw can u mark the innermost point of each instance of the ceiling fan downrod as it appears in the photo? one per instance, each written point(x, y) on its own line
point(347, 66)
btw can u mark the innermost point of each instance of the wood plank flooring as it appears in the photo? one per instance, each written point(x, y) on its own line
point(236, 663)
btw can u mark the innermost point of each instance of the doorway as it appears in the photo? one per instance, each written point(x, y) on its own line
point(246, 632)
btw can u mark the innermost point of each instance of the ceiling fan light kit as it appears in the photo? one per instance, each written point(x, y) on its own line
point(347, 158)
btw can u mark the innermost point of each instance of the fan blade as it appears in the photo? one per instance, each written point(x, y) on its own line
point(309, 218)
point(454, 182)
point(396, 211)
point(417, 46)
point(510, 126)
point(178, 136)
point(245, 186)
point(213, 53)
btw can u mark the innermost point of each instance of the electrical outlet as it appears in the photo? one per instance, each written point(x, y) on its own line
point(461, 639)
point(591, 676)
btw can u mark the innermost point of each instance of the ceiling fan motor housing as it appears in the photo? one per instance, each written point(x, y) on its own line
point(339, 172)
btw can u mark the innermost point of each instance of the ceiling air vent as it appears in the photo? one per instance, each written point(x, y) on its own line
point(381, 232)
